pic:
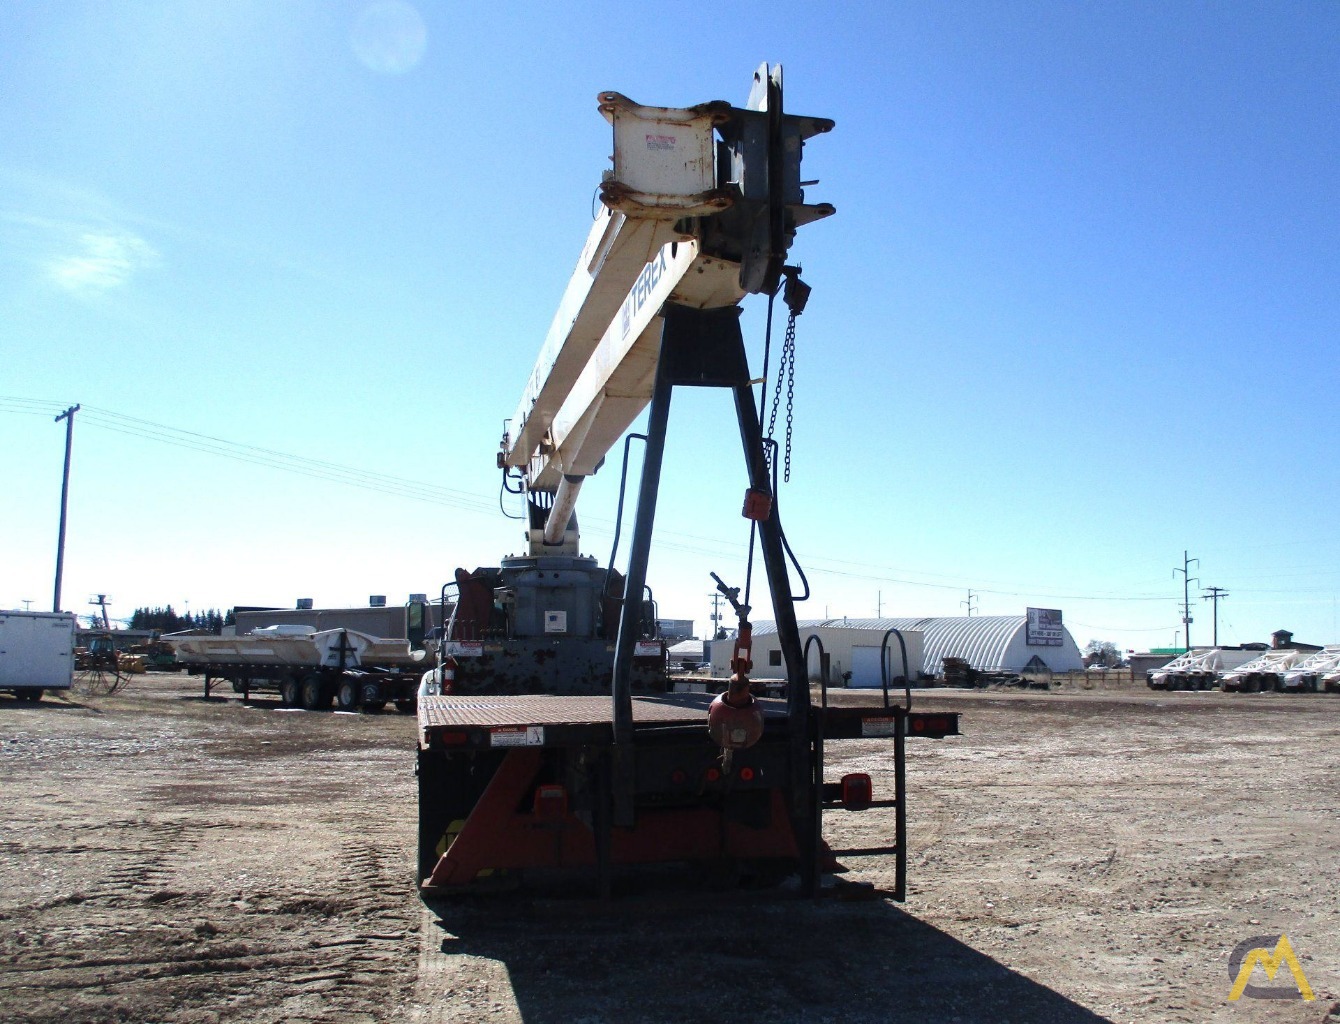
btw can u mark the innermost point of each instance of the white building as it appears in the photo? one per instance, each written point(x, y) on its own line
point(853, 647)
point(988, 643)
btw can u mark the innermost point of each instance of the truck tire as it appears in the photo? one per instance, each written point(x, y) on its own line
point(290, 692)
point(346, 695)
point(29, 696)
point(406, 706)
point(315, 694)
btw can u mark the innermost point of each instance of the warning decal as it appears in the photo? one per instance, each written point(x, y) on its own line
point(517, 736)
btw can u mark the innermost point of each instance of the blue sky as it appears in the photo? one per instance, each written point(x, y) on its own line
point(1075, 315)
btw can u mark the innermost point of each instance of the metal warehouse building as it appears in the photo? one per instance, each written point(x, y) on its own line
point(989, 643)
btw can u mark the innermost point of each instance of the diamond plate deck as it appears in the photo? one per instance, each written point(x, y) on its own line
point(493, 712)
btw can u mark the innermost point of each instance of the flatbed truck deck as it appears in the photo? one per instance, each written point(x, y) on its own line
point(475, 722)
point(498, 772)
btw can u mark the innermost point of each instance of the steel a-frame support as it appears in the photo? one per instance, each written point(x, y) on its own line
point(705, 348)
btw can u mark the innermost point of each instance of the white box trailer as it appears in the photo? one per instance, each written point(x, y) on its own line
point(36, 652)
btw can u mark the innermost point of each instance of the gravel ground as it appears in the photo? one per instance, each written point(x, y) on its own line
point(1074, 857)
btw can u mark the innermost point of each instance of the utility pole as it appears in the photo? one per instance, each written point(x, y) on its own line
point(68, 417)
point(969, 602)
point(101, 601)
point(716, 616)
point(879, 604)
point(1213, 594)
point(1186, 593)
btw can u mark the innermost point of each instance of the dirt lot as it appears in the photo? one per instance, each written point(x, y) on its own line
point(1076, 857)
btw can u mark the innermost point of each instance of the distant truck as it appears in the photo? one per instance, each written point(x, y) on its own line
point(36, 653)
point(307, 669)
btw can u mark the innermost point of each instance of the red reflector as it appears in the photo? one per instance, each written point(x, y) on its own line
point(857, 789)
point(746, 775)
point(551, 801)
point(678, 777)
point(454, 739)
point(939, 724)
point(713, 774)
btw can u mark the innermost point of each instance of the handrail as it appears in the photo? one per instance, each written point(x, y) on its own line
point(884, 667)
point(823, 668)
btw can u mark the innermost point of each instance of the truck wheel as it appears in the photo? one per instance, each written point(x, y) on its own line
point(374, 705)
point(290, 692)
point(407, 706)
point(346, 695)
point(315, 695)
point(30, 696)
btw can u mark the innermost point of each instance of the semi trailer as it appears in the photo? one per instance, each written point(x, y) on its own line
point(1261, 673)
point(312, 670)
point(36, 653)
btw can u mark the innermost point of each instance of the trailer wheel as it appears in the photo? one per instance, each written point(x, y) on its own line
point(406, 706)
point(346, 695)
point(29, 696)
point(290, 692)
point(315, 695)
point(374, 705)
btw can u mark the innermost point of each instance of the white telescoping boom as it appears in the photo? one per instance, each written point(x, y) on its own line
point(686, 219)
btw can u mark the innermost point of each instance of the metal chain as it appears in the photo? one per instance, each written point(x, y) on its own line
point(786, 373)
point(776, 401)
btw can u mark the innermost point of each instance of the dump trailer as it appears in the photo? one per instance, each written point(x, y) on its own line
point(36, 653)
point(1261, 673)
point(350, 669)
point(596, 769)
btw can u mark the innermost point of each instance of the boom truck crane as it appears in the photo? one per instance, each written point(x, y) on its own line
point(544, 749)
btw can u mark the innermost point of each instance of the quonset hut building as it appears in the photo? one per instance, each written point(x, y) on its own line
point(988, 643)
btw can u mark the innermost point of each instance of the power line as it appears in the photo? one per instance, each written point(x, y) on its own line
point(383, 483)
point(1119, 629)
point(416, 490)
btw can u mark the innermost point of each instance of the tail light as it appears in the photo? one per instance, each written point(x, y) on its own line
point(857, 790)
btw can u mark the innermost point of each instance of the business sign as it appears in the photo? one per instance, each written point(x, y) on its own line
point(1044, 628)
